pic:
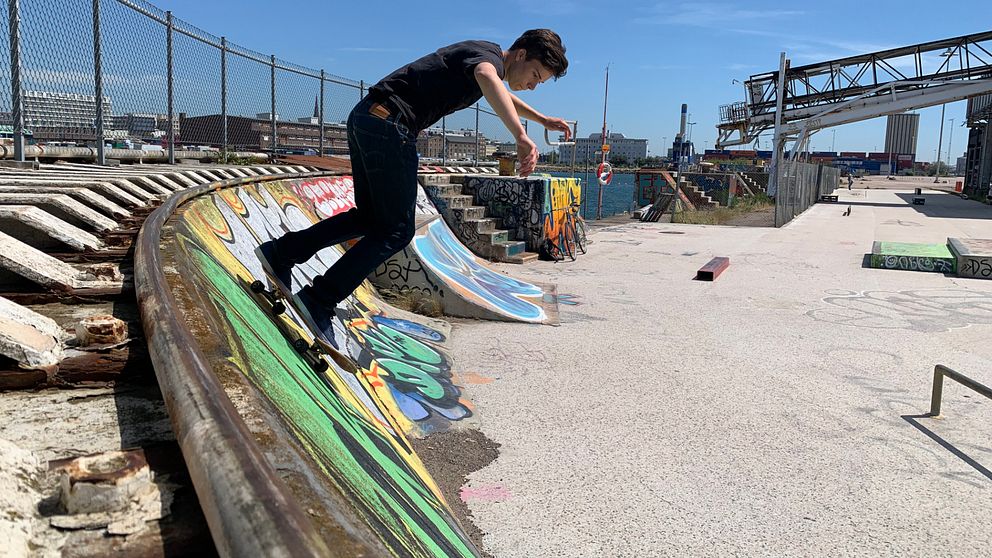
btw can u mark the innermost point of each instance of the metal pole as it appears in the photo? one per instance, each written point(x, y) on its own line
point(272, 115)
point(444, 143)
point(476, 134)
point(778, 143)
point(950, 145)
point(320, 116)
point(168, 65)
point(940, 142)
point(16, 97)
point(223, 92)
point(361, 84)
point(98, 85)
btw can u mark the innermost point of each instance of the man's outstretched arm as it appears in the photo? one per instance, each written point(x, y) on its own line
point(502, 102)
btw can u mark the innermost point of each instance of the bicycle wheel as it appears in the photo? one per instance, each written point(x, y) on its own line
point(580, 235)
point(568, 238)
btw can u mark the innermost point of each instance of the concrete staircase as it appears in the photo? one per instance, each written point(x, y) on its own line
point(753, 182)
point(470, 222)
point(697, 196)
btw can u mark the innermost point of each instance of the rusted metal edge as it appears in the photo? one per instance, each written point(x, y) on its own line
point(248, 508)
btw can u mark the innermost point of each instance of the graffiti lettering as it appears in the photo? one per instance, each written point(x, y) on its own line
point(926, 310)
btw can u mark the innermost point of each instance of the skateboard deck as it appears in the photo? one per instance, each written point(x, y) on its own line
point(294, 321)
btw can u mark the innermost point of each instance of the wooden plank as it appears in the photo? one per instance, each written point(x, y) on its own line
point(713, 269)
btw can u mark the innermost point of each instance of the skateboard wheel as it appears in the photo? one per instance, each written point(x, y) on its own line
point(257, 287)
point(301, 346)
point(278, 308)
point(321, 365)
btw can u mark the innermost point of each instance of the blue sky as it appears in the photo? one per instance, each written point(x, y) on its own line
point(661, 54)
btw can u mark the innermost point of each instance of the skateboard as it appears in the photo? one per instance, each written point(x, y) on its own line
point(294, 321)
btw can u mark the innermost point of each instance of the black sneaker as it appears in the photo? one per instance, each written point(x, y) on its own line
point(275, 267)
point(317, 313)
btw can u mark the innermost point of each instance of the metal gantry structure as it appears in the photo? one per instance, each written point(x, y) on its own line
point(826, 94)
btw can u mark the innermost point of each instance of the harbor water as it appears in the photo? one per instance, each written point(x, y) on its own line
point(618, 196)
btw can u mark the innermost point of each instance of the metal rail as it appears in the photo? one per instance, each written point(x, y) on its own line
point(248, 508)
point(90, 154)
point(939, 372)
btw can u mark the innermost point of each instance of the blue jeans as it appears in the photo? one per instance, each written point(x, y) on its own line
point(384, 165)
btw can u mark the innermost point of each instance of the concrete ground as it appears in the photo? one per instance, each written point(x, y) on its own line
point(778, 411)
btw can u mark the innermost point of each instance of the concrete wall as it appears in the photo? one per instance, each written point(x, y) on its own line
point(532, 209)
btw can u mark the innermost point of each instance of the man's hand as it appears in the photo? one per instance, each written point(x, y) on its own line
point(558, 124)
point(526, 155)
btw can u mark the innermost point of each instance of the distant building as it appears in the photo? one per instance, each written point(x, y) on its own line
point(961, 165)
point(901, 133)
point(145, 126)
point(245, 133)
point(63, 116)
point(433, 143)
point(586, 149)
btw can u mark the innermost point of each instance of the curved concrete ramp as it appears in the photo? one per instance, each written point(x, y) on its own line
point(338, 438)
point(436, 266)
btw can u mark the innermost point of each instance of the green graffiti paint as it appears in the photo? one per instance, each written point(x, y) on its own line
point(357, 456)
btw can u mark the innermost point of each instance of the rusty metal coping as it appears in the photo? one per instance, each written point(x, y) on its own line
point(249, 510)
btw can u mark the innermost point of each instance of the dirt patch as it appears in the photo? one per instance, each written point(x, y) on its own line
point(450, 457)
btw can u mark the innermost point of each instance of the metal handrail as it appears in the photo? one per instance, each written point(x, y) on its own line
point(575, 130)
point(939, 372)
point(248, 508)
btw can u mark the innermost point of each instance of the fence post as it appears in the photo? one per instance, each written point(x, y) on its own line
point(101, 157)
point(16, 94)
point(444, 143)
point(168, 63)
point(272, 115)
point(476, 134)
point(223, 94)
point(361, 84)
point(320, 115)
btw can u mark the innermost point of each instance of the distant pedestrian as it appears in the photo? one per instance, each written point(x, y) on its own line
point(850, 180)
point(382, 142)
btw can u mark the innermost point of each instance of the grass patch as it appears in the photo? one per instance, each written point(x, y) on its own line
point(722, 215)
point(412, 301)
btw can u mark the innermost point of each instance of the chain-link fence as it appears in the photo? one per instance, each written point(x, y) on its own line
point(800, 185)
point(164, 84)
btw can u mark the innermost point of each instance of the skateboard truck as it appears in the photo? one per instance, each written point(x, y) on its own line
point(278, 306)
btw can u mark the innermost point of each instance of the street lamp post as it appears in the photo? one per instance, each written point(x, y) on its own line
point(940, 142)
point(950, 144)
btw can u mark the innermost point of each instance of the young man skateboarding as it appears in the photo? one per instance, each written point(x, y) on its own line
point(382, 140)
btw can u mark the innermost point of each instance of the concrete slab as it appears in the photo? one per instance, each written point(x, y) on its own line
point(28, 338)
point(83, 195)
point(776, 412)
point(40, 268)
point(65, 205)
point(46, 224)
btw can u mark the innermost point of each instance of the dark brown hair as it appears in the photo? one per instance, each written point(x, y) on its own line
point(544, 45)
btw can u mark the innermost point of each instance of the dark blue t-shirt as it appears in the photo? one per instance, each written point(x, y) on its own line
point(438, 84)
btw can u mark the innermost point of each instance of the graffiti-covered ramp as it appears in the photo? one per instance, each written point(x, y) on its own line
point(437, 268)
point(245, 404)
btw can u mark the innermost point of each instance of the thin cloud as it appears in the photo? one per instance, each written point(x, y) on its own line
point(370, 49)
point(711, 14)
